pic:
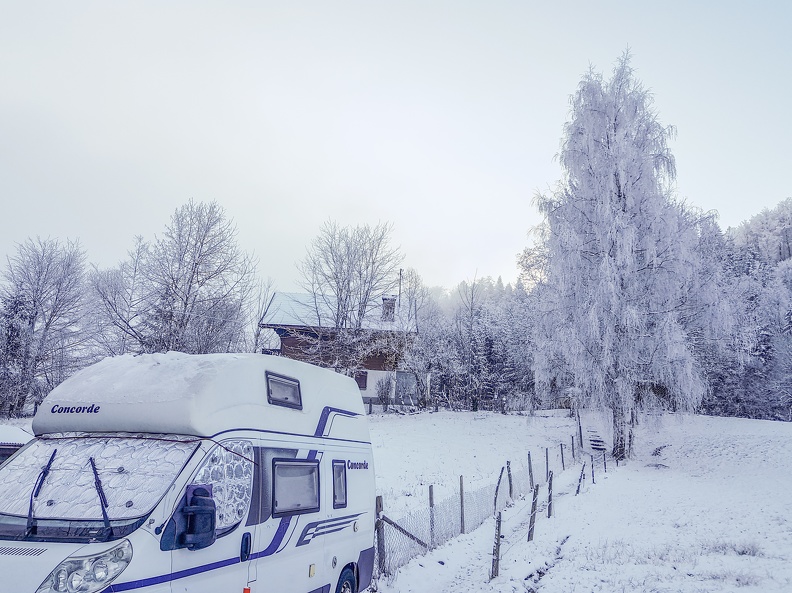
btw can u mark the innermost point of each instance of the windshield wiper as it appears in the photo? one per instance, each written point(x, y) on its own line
point(31, 520)
point(108, 530)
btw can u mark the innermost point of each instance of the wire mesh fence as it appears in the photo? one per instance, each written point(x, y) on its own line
point(423, 529)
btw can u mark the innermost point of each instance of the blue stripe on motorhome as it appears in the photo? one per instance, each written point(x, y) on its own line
point(320, 428)
point(273, 546)
point(271, 549)
point(289, 434)
point(319, 528)
point(170, 577)
point(325, 589)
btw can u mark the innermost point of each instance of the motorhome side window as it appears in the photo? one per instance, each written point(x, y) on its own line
point(339, 484)
point(229, 470)
point(295, 487)
point(283, 391)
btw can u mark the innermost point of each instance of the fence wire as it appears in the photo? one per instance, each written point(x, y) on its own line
point(424, 529)
point(414, 534)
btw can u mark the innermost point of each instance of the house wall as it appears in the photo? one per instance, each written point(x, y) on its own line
point(295, 343)
point(295, 346)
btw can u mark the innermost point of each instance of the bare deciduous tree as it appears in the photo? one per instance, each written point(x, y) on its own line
point(186, 291)
point(261, 309)
point(42, 306)
point(346, 271)
point(118, 301)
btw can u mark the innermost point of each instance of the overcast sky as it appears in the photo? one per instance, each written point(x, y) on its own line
point(441, 117)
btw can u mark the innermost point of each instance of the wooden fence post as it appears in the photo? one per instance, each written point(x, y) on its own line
point(530, 469)
point(563, 465)
point(497, 488)
point(533, 512)
point(573, 449)
point(547, 464)
point(592, 470)
point(604, 462)
point(380, 532)
point(431, 517)
point(461, 505)
point(511, 484)
point(580, 479)
point(550, 496)
point(496, 548)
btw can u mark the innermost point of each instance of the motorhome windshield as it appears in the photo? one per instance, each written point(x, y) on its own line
point(134, 472)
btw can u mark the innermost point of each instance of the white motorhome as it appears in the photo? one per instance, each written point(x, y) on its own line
point(212, 473)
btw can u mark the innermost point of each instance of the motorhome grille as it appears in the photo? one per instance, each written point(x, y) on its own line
point(21, 551)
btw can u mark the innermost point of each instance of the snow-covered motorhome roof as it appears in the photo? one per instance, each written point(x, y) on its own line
point(200, 395)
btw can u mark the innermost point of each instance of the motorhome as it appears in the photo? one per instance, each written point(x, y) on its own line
point(167, 473)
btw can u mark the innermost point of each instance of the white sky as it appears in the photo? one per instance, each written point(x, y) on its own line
point(442, 117)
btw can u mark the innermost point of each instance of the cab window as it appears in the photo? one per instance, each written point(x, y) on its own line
point(229, 470)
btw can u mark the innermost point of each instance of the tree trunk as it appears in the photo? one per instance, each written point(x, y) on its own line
point(622, 433)
point(619, 448)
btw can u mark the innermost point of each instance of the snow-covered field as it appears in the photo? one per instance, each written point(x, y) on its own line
point(711, 512)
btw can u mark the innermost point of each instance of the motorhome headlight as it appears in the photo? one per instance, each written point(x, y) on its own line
point(86, 574)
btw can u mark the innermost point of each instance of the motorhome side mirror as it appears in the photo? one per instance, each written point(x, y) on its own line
point(200, 513)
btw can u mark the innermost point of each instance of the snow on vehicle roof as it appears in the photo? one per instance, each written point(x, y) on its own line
point(201, 395)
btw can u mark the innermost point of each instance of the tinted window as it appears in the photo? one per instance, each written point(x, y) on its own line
point(295, 487)
point(283, 391)
point(339, 484)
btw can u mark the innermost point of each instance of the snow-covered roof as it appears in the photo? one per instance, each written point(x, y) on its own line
point(201, 395)
point(13, 435)
point(295, 309)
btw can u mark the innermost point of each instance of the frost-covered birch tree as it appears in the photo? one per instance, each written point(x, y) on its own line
point(621, 261)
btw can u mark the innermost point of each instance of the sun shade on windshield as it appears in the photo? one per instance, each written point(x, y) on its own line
point(134, 472)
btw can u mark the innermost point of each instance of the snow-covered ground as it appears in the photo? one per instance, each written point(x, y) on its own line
point(712, 511)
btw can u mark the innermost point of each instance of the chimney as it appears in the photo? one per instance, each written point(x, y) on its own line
point(388, 308)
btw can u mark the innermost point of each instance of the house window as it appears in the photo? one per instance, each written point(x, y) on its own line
point(361, 378)
point(339, 484)
point(295, 488)
point(283, 391)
